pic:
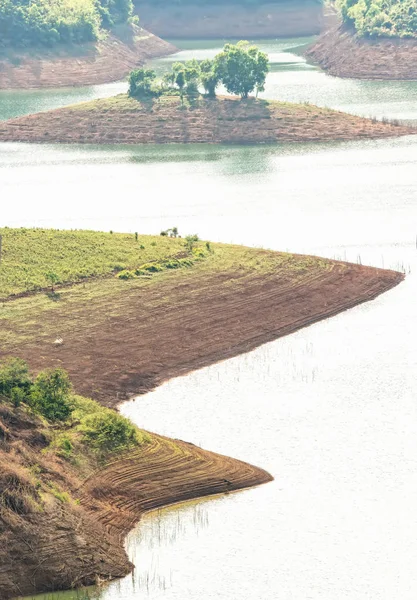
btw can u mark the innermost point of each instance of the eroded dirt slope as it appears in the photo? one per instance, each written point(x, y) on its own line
point(47, 544)
point(343, 54)
point(91, 64)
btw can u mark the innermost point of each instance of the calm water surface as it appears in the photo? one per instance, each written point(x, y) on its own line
point(330, 411)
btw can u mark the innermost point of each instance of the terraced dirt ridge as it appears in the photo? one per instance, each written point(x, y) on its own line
point(90, 64)
point(126, 489)
point(343, 54)
point(59, 544)
point(121, 339)
point(123, 120)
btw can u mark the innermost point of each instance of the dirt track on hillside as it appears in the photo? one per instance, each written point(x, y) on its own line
point(119, 346)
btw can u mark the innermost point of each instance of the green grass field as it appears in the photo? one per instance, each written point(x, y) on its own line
point(28, 255)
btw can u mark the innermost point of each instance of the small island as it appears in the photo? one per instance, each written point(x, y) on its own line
point(369, 42)
point(174, 111)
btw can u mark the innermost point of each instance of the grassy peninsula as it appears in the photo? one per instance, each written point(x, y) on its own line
point(108, 316)
point(374, 40)
point(206, 301)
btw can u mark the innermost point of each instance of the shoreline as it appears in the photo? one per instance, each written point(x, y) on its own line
point(341, 53)
point(92, 524)
point(123, 120)
point(250, 297)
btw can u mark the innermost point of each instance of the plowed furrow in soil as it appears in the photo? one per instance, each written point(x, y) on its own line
point(163, 472)
point(126, 344)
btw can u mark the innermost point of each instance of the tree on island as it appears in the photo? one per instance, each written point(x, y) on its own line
point(210, 77)
point(185, 77)
point(242, 69)
point(142, 84)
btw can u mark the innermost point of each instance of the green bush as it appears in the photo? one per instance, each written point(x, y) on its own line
point(107, 431)
point(50, 394)
point(126, 275)
point(14, 375)
point(151, 267)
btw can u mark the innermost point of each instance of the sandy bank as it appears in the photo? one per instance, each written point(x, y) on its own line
point(343, 54)
point(90, 64)
point(123, 120)
point(228, 20)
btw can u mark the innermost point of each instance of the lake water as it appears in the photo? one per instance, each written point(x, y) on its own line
point(330, 411)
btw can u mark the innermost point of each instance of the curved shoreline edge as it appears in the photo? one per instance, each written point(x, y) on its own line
point(240, 313)
point(343, 54)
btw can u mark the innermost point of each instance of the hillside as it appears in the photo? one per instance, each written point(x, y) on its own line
point(370, 41)
point(343, 53)
point(241, 19)
point(124, 120)
point(109, 59)
point(65, 510)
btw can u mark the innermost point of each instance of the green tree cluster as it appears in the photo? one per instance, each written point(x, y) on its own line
point(49, 394)
point(241, 68)
point(381, 18)
point(26, 23)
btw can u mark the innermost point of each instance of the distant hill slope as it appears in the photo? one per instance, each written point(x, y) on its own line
point(344, 54)
point(190, 19)
point(107, 60)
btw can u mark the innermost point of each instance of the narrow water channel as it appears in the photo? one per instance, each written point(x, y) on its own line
point(330, 411)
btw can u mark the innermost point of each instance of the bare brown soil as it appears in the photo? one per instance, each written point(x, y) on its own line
point(90, 64)
point(48, 544)
point(227, 21)
point(123, 120)
point(123, 343)
point(343, 54)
